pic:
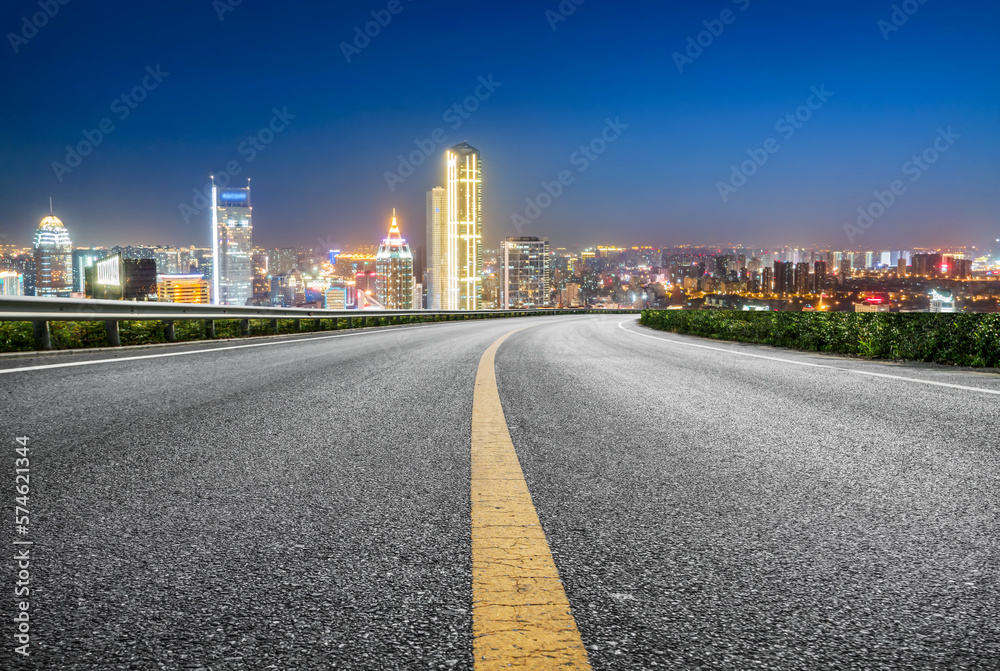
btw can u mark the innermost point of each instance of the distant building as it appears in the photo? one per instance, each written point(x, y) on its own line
point(116, 278)
point(53, 259)
point(942, 301)
point(335, 298)
point(437, 248)
point(183, 289)
point(803, 283)
point(288, 289)
point(82, 259)
point(394, 269)
point(766, 281)
point(11, 283)
point(526, 274)
point(232, 240)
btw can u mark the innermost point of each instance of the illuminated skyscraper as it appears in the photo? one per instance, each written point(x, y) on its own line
point(232, 246)
point(465, 223)
point(53, 259)
point(11, 283)
point(525, 273)
point(394, 265)
point(437, 248)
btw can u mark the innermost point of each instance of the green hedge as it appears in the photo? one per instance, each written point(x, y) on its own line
point(959, 339)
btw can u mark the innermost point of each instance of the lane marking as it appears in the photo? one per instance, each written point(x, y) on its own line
point(807, 364)
point(94, 362)
point(521, 617)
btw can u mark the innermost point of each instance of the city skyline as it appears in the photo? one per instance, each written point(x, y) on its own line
point(715, 137)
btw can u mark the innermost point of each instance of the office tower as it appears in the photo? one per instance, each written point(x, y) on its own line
point(767, 281)
point(526, 274)
point(394, 268)
point(116, 278)
point(83, 259)
point(232, 247)
point(11, 283)
point(465, 222)
point(779, 277)
point(437, 248)
point(183, 289)
point(802, 283)
point(819, 281)
point(53, 259)
point(901, 267)
point(288, 289)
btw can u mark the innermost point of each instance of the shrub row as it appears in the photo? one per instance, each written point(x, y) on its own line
point(959, 339)
point(19, 336)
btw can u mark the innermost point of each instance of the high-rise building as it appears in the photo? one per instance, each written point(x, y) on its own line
point(183, 289)
point(819, 281)
point(803, 284)
point(116, 278)
point(767, 280)
point(437, 248)
point(394, 268)
point(465, 223)
point(53, 259)
point(232, 233)
point(11, 283)
point(526, 274)
point(83, 258)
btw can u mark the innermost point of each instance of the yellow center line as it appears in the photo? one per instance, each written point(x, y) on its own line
point(521, 617)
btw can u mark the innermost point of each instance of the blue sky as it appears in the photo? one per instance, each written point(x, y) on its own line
point(321, 180)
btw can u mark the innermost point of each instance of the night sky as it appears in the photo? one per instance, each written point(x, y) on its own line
point(321, 181)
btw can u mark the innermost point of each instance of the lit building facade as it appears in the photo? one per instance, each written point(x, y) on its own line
point(232, 246)
point(526, 273)
point(394, 268)
point(465, 223)
point(116, 278)
point(437, 248)
point(53, 259)
point(11, 283)
point(183, 289)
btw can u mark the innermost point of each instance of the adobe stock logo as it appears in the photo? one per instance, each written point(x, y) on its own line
point(696, 44)
point(122, 107)
point(37, 21)
point(363, 36)
point(915, 168)
point(581, 159)
point(454, 116)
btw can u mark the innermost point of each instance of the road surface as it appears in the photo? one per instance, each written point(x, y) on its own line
point(304, 502)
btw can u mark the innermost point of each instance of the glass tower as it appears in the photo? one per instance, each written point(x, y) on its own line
point(232, 246)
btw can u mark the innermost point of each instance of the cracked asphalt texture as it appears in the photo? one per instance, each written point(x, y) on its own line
point(306, 505)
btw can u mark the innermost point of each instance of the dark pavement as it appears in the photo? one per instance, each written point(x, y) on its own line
point(306, 504)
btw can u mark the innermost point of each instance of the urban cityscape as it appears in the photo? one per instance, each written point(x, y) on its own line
point(383, 335)
point(453, 270)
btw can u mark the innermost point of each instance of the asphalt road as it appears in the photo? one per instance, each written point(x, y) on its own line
point(304, 503)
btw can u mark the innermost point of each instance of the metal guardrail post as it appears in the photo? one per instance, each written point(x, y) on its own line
point(244, 327)
point(169, 334)
point(209, 328)
point(43, 338)
point(350, 322)
point(114, 338)
point(274, 326)
point(297, 325)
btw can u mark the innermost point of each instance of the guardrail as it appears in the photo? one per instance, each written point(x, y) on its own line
point(41, 311)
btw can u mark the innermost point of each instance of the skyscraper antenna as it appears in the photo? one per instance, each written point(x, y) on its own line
point(50, 204)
